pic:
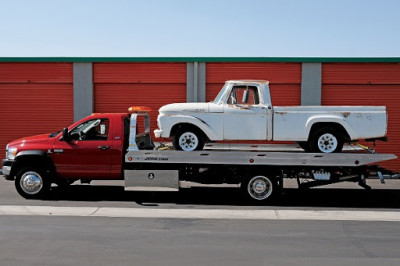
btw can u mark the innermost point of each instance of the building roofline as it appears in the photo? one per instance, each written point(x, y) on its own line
point(204, 59)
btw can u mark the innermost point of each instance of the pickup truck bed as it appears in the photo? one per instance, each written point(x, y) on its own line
point(369, 121)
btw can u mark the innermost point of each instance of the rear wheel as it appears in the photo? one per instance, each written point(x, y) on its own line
point(259, 188)
point(32, 183)
point(188, 140)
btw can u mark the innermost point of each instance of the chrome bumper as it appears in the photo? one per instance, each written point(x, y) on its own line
point(6, 167)
point(157, 133)
point(6, 170)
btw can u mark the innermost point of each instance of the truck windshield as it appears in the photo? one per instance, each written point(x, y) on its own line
point(218, 99)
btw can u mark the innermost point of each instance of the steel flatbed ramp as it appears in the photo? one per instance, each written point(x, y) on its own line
point(256, 158)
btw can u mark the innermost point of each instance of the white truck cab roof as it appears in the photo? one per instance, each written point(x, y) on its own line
point(248, 81)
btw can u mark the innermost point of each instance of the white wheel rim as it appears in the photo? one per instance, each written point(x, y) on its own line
point(188, 141)
point(31, 183)
point(259, 188)
point(327, 143)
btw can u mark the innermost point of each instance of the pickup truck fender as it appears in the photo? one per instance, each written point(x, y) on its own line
point(334, 119)
point(211, 131)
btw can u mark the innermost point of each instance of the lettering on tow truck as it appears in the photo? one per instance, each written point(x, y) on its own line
point(156, 159)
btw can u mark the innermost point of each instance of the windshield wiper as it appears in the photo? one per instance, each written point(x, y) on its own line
point(52, 135)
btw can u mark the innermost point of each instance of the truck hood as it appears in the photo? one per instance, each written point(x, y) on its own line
point(179, 108)
point(28, 140)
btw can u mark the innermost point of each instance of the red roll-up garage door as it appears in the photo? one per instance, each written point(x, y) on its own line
point(36, 98)
point(285, 79)
point(367, 84)
point(121, 85)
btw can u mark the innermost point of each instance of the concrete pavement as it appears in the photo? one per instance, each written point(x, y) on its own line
point(104, 225)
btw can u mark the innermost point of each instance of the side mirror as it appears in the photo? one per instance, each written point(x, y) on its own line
point(65, 134)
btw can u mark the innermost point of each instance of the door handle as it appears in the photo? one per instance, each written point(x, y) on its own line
point(103, 147)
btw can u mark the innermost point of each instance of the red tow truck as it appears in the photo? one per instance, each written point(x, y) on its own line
point(109, 147)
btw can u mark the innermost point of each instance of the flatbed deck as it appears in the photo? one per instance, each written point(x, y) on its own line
point(260, 169)
point(265, 154)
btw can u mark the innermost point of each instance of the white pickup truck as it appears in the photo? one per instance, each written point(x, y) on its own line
point(243, 111)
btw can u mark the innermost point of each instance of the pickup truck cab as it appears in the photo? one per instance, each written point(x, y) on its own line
point(243, 110)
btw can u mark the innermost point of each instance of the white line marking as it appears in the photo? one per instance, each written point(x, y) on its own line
point(321, 215)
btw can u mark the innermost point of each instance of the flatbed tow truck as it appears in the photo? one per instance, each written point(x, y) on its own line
point(259, 170)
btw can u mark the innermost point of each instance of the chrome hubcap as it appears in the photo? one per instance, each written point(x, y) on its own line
point(259, 187)
point(31, 182)
point(327, 143)
point(188, 141)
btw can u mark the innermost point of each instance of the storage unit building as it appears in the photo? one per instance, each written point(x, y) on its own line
point(42, 95)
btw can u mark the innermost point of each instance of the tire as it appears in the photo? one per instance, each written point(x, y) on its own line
point(326, 140)
point(32, 183)
point(259, 189)
point(188, 140)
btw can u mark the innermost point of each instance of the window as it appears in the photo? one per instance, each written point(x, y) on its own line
point(244, 95)
point(95, 129)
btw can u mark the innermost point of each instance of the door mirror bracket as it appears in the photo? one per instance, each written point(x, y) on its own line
point(65, 134)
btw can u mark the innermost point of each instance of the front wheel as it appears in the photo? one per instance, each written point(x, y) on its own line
point(188, 140)
point(259, 188)
point(326, 140)
point(32, 183)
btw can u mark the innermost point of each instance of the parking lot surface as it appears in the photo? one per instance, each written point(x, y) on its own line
point(200, 226)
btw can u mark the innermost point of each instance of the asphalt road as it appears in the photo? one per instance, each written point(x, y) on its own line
point(33, 239)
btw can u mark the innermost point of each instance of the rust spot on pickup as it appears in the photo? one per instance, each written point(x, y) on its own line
point(346, 114)
point(242, 107)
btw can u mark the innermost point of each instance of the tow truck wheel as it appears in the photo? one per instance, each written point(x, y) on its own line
point(188, 140)
point(259, 188)
point(32, 183)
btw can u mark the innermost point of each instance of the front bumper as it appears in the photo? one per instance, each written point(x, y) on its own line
point(7, 168)
point(157, 133)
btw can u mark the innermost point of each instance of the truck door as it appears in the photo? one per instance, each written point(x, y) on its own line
point(88, 152)
point(244, 117)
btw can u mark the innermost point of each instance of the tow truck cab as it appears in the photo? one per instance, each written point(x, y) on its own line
point(92, 148)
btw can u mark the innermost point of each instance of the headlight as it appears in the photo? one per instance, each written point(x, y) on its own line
point(11, 152)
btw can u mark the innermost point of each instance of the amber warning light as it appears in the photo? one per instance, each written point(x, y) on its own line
point(139, 109)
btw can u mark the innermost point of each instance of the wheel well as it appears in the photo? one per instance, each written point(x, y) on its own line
point(34, 161)
point(177, 127)
point(335, 126)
